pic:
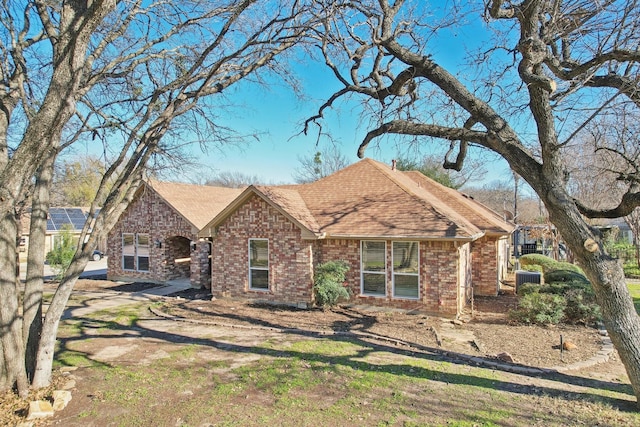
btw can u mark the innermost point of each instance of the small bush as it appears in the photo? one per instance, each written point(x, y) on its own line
point(565, 276)
point(581, 308)
point(631, 270)
point(533, 267)
point(528, 288)
point(328, 283)
point(59, 258)
point(536, 259)
point(566, 266)
point(539, 308)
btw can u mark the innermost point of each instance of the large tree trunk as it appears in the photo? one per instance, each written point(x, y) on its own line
point(607, 276)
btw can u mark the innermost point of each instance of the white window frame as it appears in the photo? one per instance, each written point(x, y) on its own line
point(394, 273)
point(139, 251)
point(257, 268)
point(364, 272)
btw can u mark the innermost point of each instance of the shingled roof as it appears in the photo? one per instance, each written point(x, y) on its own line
point(370, 200)
point(196, 203)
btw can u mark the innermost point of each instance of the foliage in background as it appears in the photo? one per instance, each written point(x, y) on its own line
point(59, 258)
point(328, 283)
point(76, 181)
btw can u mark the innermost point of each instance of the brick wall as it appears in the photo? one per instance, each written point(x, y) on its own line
point(291, 261)
point(484, 269)
point(290, 257)
point(149, 214)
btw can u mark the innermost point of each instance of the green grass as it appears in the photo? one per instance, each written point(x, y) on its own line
point(634, 289)
point(302, 381)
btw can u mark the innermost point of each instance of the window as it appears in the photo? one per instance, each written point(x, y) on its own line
point(128, 252)
point(135, 252)
point(405, 263)
point(259, 264)
point(374, 268)
point(142, 249)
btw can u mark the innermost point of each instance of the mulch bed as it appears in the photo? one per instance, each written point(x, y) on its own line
point(535, 346)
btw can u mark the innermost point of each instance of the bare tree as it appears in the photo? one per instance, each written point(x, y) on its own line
point(323, 163)
point(558, 65)
point(431, 166)
point(133, 76)
point(233, 179)
point(633, 221)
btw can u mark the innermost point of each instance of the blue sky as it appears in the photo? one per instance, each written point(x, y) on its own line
point(276, 116)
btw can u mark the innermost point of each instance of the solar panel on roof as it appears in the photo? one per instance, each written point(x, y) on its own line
point(58, 217)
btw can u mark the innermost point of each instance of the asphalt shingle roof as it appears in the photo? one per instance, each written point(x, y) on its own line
point(370, 199)
point(197, 203)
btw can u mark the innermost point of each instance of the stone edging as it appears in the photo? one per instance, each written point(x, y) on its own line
point(600, 357)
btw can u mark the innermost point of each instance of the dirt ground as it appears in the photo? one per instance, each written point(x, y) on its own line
point(486, 334)
point(238, 325)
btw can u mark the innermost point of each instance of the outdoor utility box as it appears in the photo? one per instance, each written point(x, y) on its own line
point(523, 277)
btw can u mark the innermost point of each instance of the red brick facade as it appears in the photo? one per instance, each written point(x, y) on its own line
point(171, 253)
point(486, 267)
point(292, 259)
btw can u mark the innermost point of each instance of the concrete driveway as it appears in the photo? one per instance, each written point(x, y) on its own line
point(94, 268)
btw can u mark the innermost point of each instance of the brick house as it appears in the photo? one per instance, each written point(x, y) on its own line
point(156, 238)
point(410, 242)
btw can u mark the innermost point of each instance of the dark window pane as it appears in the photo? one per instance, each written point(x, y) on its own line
point(259, 279)
point(143, 263)
point(128, 262)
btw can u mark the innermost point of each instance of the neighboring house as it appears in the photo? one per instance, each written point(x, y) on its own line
point(410, 242)
point(58, 218)
point(155, 239)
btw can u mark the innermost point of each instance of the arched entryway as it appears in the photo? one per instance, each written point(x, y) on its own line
point(178, 258)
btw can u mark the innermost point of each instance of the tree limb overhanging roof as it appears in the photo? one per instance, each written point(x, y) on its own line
point(371, 200)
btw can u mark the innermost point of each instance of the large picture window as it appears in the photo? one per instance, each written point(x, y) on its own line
point(406, 256)
point(259, 264)
point(374, 268)
point(135, 251)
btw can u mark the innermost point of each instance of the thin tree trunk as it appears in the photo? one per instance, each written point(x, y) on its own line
point(34, 284)
point(10, 321)
point(46, 349)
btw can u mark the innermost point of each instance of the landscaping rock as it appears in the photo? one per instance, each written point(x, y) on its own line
point(39, 409)
point(568, 345)
point(70, 384)
point(506, 357)
point(60, 399)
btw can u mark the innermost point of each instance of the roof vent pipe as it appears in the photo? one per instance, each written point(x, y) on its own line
point(393, 164)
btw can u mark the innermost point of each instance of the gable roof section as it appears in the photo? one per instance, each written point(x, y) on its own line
point(196, 203)
point(480, 215)
point(285, 200)
point(370, 200)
